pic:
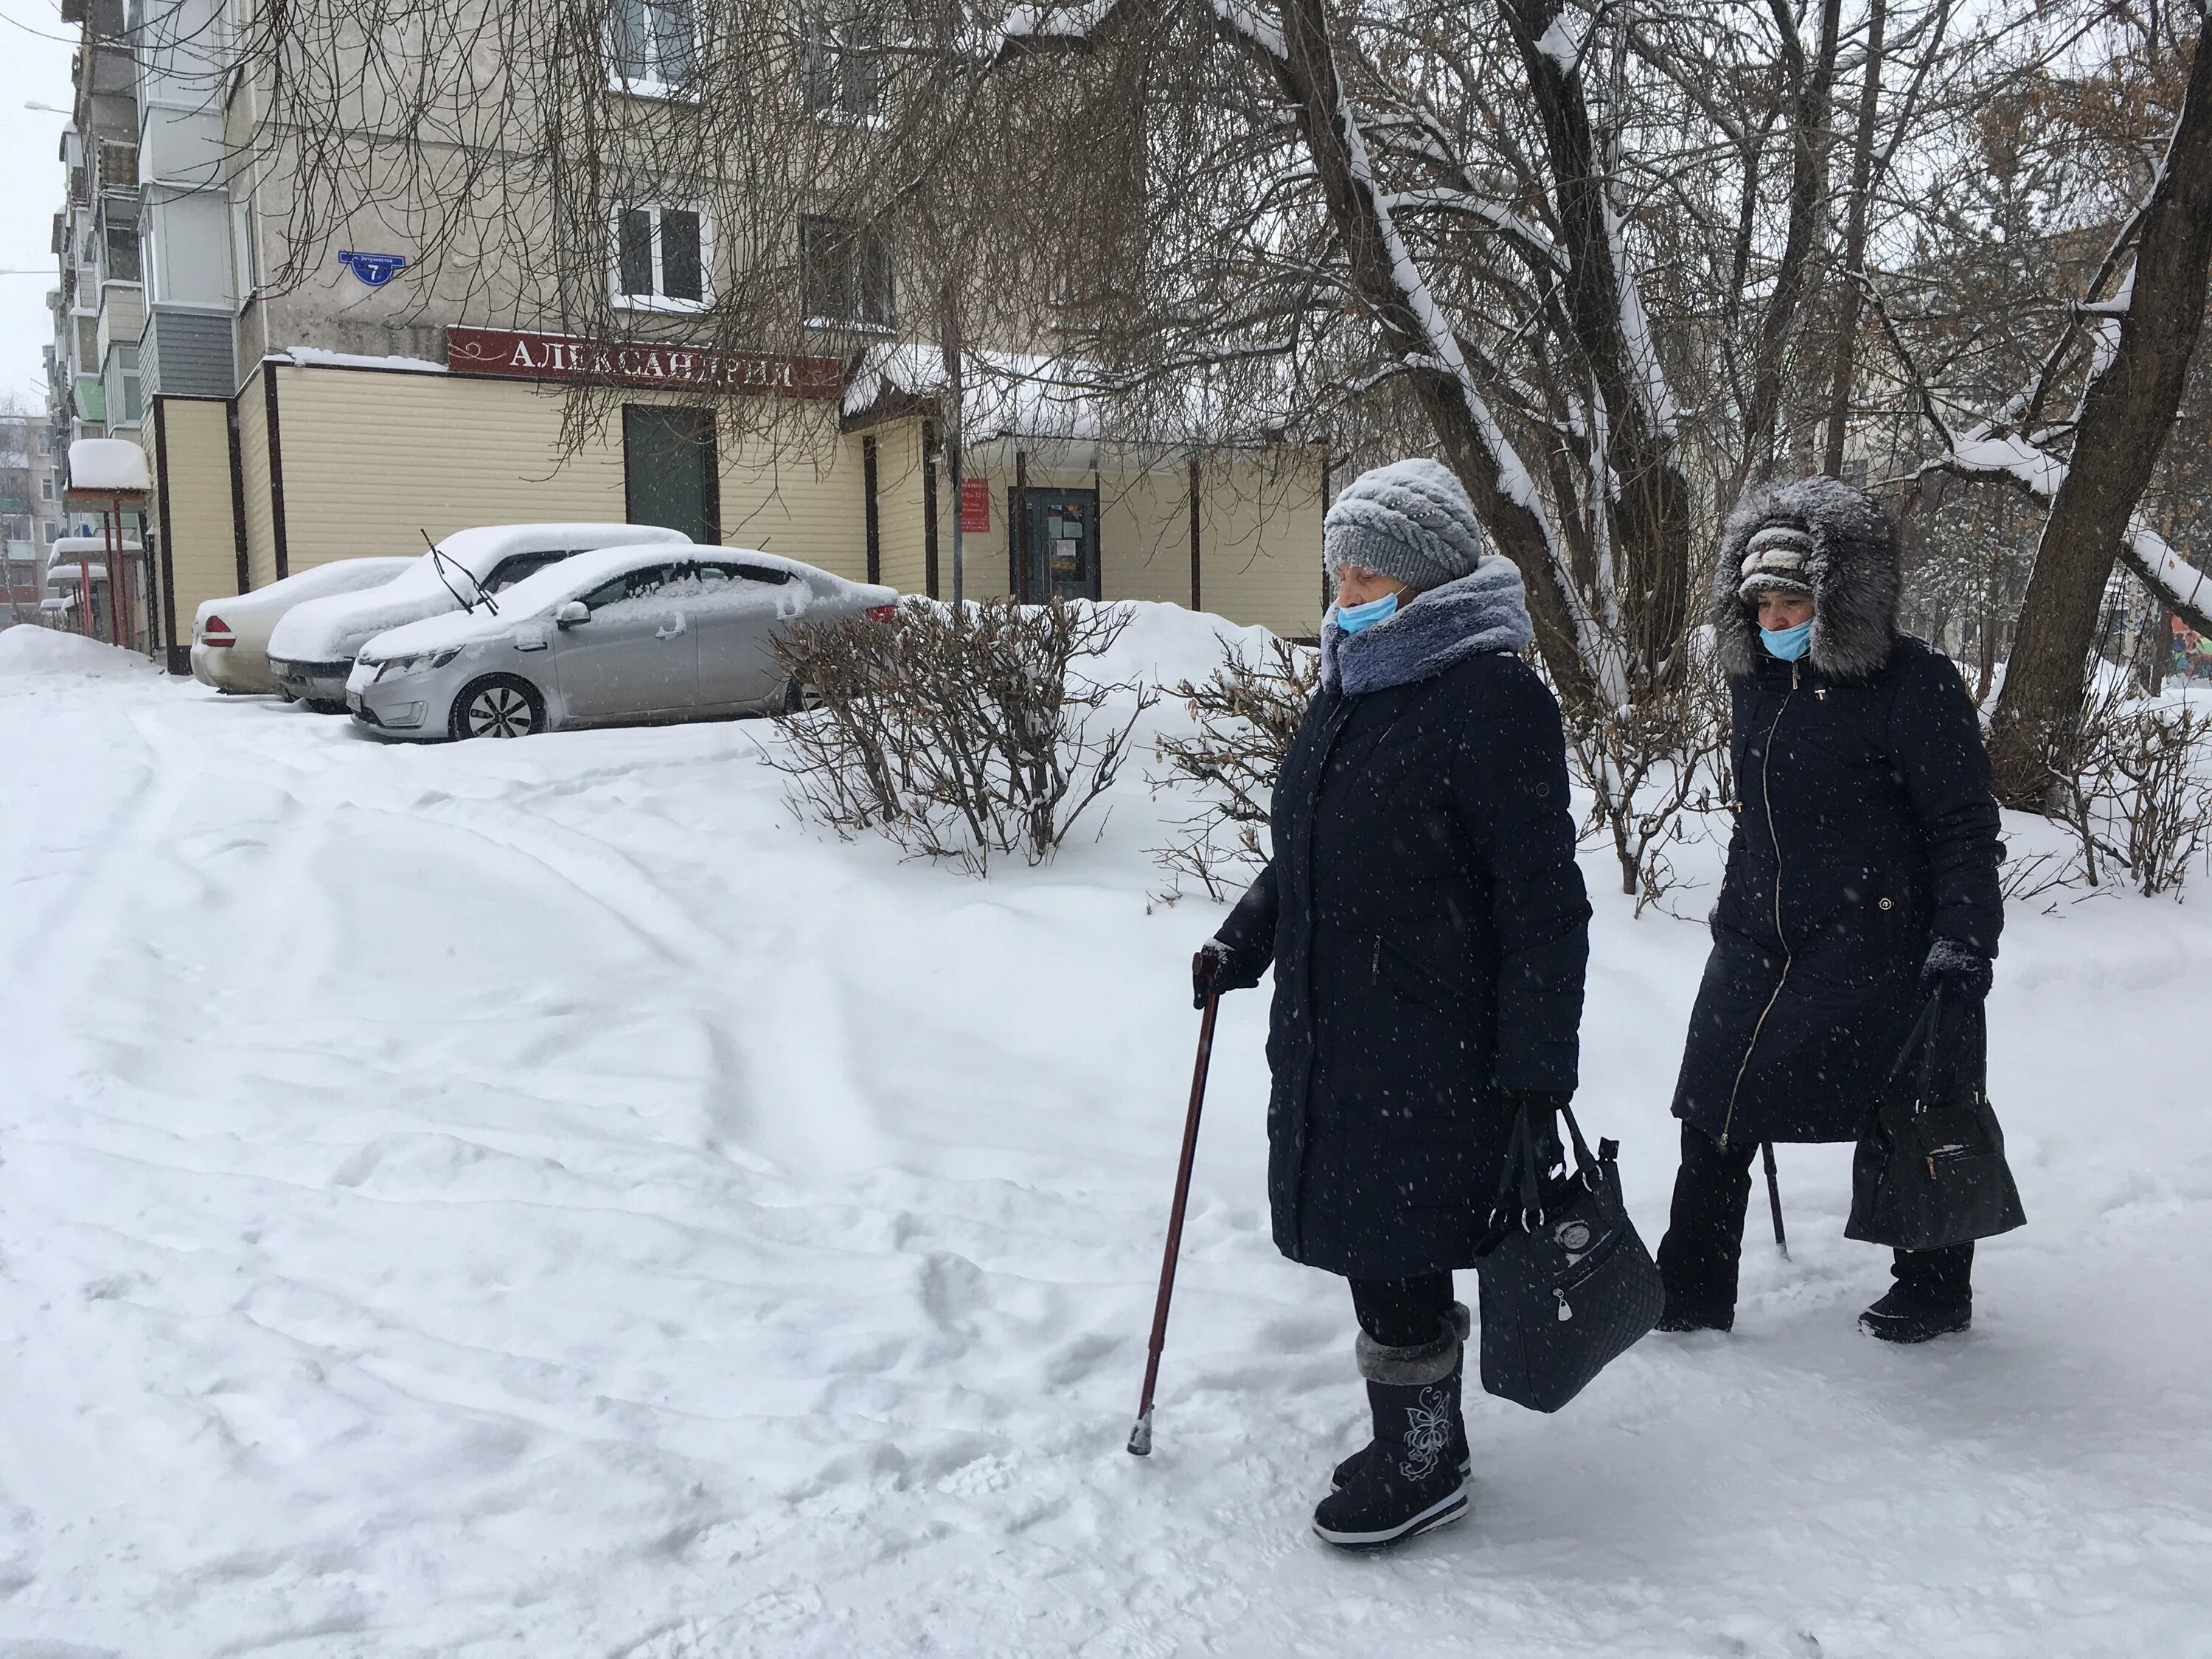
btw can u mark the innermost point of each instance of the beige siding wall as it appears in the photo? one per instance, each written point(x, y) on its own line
point(253, 465)
point(805, 507)
point(203, 547)
point(373, 459)
point(900, 512)
point(1260, 538)
point(1144, 537)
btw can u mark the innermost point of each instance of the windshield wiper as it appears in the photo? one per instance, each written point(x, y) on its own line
point(438, 562)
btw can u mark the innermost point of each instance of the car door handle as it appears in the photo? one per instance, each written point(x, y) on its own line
point(671, 629)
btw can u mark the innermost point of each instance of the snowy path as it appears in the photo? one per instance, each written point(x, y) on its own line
point(535, 1200)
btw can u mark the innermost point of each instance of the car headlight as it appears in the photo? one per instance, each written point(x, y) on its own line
point(419, 662)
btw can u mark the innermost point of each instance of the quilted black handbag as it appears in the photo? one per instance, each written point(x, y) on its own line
point(1929, 1172)
point(1566, 1284)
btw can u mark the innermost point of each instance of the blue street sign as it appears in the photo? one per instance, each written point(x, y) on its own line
point(374, 269)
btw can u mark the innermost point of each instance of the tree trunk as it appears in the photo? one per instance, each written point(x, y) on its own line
point(1855, 234)
point(1809, 144)
point(2126, 412)
point(1504, 493)
point(1651, 510)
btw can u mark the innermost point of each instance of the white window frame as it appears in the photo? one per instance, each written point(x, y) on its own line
point(659, 299)
point(654, 84)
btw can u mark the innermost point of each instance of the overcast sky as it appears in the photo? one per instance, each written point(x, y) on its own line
point(34, 67)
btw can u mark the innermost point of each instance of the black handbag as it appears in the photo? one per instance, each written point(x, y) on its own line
point(1928, 1173)
point(1566, 1284)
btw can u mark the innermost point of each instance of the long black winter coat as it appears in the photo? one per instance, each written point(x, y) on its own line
point(1868, 829)
point(1429, 933)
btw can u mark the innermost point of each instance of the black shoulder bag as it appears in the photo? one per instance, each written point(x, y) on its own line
point(1927, 1172)
point(1566, 1284)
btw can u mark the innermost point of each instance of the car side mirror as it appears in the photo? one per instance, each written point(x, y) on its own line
point(572, 613)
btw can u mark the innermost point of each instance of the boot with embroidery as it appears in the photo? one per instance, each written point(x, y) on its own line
point(1410, 1480)
point(1463, 1324)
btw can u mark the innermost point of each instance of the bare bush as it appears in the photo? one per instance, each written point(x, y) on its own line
point(1246, 715)
point(1653, 769)
point(957, 733)
point(2136, 790)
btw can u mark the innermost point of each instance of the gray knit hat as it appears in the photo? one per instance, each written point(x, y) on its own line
point(1410, 520)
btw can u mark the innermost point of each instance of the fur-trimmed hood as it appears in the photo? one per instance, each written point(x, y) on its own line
point(1856, 571)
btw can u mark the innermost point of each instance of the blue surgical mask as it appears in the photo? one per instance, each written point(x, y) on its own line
point(1788, 643)
point(1353, 618)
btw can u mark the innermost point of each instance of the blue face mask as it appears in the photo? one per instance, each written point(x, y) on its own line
point(1353, 618)
point(1788, 643)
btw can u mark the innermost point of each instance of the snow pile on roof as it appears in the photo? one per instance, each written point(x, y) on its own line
point(1006, 395)
point(300, 356)
point(105, 464)
point(25, 651)
point(66, 547)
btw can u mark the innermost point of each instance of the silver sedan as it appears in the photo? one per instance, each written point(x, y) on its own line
point(624, 635)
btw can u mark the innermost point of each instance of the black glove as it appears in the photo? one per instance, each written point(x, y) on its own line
point(1213, 971)
point(1960, 972)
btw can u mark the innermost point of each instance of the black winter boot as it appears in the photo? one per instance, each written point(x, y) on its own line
point(1407, 1481)
point(1934, 1297)
point(1463, 1325)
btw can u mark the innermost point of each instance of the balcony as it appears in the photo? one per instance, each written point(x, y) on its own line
point(122, 314)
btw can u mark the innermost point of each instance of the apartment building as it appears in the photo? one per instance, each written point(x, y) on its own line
point(380, 394)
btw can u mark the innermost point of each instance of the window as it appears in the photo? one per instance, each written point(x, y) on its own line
point(840, 62)
point(126, 393)
point(752, 573)
point(653, 45)
point(512, 569)
point(122, 253)
point(661, 258)
point(845, 275)
point(47, 488)
point(631, 584)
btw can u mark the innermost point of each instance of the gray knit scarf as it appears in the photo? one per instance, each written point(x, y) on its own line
point(1486, 611)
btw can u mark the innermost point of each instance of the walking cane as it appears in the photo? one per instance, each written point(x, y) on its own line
point(1140, 1436)
point(1774, 1198)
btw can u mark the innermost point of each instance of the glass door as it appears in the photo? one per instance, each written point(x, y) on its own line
point(1062, 536)
point(669, 473)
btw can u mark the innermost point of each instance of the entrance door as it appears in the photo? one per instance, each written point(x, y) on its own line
point(1062, 536)
point(669, 473)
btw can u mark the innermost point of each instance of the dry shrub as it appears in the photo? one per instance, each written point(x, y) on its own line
point(957, 734)
point(1245, 714)
point(2136, 791)
point(1656, 771)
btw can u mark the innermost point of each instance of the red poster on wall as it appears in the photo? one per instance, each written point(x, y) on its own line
point(974, 507)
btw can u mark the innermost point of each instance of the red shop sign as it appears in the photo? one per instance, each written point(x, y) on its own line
point(515, 354)
point(974, 507)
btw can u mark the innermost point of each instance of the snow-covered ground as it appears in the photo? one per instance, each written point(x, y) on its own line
point(538, 1199)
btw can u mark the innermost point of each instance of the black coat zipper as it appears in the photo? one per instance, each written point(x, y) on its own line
point(1767, 801)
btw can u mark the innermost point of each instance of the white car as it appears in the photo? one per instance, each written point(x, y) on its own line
point(312, 648)
point(624, 635)
point(230, 636)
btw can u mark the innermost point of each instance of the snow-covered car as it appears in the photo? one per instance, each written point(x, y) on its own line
point(312, 650)
point(625, 634)
point(230, 636)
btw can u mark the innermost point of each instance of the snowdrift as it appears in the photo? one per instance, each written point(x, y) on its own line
point(539, 1199)
point(26, 650)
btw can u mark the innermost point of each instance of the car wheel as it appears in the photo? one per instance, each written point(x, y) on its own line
point(327, 706)
point(498, 706)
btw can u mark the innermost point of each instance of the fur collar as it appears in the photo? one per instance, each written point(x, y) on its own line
point(1855, 573)
point(1485, 611)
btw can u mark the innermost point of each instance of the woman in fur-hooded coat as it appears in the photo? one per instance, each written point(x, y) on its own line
point(1861, 874)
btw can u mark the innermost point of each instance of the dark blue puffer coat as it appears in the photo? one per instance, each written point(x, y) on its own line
point(1868, 829)
point(1429, 933)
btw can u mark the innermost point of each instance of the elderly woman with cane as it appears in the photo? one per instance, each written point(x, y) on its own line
point(1428, 931)
point(1862, 879)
